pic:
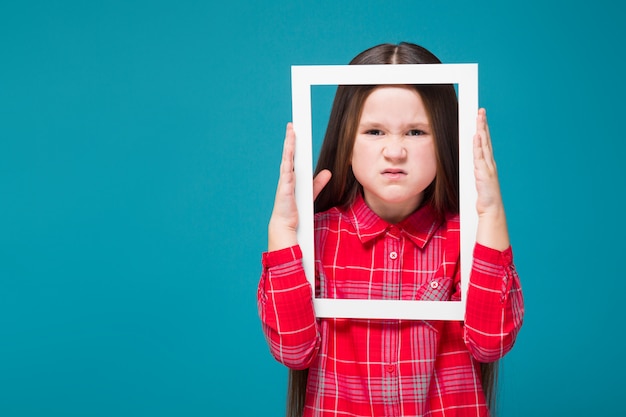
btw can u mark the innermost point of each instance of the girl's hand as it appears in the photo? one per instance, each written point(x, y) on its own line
point(284, 220)
point(492, 229)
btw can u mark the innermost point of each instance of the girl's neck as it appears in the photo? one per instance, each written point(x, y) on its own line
point(392, 213)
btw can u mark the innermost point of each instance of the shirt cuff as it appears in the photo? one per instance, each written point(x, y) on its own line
point(493, 256)
point(281, 256)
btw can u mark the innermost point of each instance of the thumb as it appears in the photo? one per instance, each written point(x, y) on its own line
point(320, 181)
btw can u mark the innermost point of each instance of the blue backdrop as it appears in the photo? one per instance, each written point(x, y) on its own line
point(139, 150)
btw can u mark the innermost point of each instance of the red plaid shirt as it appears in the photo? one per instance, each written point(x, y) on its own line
point(390, 367)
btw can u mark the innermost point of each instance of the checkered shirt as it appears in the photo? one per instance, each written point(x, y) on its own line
point(390, 367)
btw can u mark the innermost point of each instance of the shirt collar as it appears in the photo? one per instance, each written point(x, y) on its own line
point(418, 227)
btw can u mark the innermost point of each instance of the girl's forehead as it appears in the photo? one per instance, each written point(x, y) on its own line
point(392, 94)
point(395, 101)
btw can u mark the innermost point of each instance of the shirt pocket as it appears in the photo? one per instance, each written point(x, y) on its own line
point(433, 289)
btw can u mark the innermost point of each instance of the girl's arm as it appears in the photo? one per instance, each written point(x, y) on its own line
point(495, 306)
point(285, 305)
point(284, 295)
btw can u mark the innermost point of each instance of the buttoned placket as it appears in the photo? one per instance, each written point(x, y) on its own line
point(392, 290)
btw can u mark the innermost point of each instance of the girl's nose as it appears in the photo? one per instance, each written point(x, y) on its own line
point(394, 149)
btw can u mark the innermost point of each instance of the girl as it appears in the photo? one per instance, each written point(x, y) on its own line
point(387, 226)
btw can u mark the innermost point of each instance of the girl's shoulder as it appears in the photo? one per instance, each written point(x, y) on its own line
point(332, 222)
point(451, 226)
point(452, 220)
point(330, 216)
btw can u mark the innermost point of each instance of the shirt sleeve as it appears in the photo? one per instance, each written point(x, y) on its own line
point(495, 306)
point(285, 305)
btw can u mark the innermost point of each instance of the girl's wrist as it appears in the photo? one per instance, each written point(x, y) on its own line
point(280, 238)
point(492, 230)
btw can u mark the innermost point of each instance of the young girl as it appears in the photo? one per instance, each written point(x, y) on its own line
point(387, 227)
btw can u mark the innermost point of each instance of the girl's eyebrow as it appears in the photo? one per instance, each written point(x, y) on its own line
point(375, 124)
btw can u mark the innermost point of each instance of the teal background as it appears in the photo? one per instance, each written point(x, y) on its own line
point(139, 150)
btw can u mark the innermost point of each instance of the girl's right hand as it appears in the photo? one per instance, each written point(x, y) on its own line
point(282, 229)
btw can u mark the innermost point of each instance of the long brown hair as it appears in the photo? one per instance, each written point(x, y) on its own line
point(336, 151)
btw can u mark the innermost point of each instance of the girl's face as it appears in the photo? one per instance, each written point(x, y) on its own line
point(394, 152)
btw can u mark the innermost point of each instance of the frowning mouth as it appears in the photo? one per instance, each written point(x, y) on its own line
point(394, 173)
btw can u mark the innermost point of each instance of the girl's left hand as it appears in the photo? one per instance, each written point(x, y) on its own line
point(492, 230)
point(485, 172)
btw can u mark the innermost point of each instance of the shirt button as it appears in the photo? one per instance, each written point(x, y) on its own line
point(390, 368)
point(393, 255)
point(434, 285)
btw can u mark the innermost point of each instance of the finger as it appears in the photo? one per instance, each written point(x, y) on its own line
point(478, 148)
point(286, 181)
point(482, 141)
point(289, 146)
point(320, 181)
point(486, 130)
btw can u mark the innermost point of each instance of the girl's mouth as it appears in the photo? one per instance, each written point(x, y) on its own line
point(393, 173)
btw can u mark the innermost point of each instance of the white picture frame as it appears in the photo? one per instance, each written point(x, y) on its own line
point(465, 77)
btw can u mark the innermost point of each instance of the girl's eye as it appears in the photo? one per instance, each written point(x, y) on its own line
point(416, 132)
point(374, 132)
